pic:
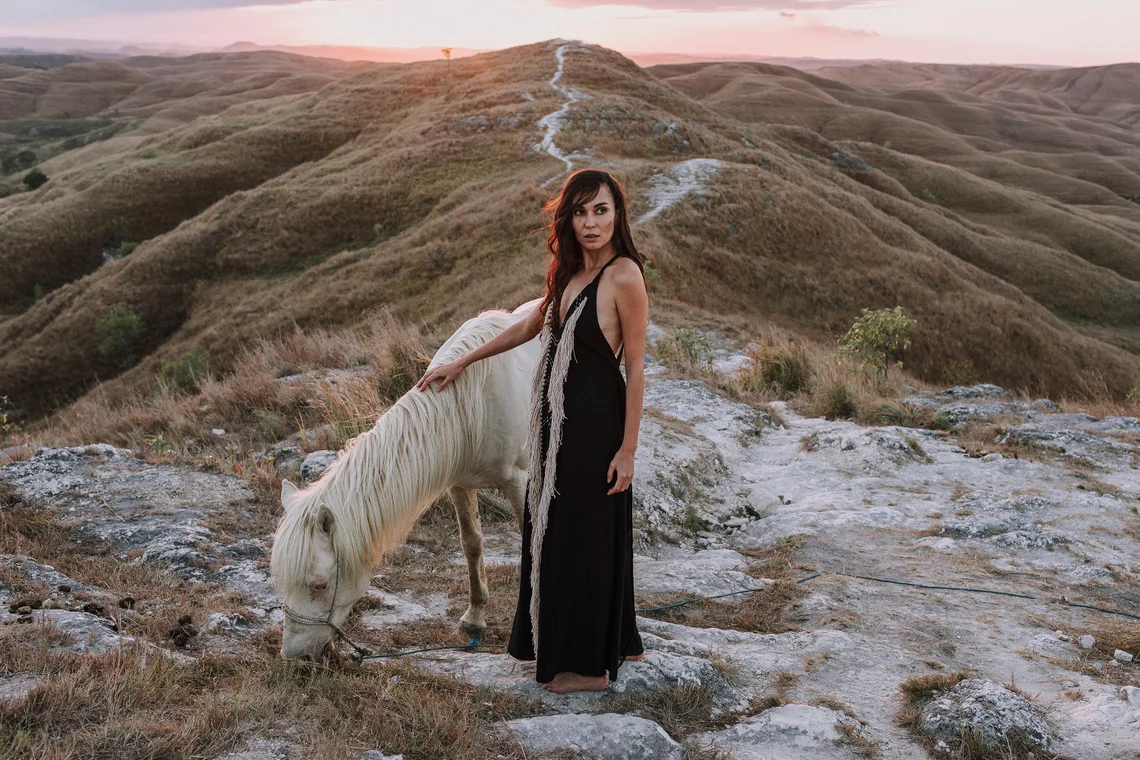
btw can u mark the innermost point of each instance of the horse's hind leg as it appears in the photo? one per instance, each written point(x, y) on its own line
point(515, 491)
point(474, 620)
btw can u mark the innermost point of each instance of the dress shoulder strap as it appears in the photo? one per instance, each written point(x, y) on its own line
point(612, 260)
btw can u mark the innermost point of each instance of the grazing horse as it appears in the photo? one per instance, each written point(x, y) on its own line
point(471, 435)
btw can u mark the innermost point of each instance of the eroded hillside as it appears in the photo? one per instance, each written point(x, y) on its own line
point(417, 187)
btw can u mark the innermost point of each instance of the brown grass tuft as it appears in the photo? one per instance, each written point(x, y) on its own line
point(135, 704)
point(770, 610)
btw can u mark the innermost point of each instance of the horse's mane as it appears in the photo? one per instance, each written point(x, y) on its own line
point(386, 477)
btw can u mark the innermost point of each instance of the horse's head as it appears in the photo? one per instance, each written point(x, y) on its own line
point(316, 578)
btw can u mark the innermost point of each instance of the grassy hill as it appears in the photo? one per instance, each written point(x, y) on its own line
point(1040, 196)
point(416, 187)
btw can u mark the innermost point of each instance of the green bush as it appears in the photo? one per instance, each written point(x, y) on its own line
point(686, 349)
point(186, 372)
point(126, 249)
point(1134, 394)
point(18, 161)
point(875, 334)
point(35, 179)
point(118, 330)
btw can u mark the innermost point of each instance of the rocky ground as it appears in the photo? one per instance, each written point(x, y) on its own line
point(819, 660)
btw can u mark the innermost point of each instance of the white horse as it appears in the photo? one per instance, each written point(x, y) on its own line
point(470, 435)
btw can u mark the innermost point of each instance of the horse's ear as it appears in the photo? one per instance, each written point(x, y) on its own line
point(288, 492)
point(325, 521)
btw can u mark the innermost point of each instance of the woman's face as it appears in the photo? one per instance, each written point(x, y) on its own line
point(594, 221)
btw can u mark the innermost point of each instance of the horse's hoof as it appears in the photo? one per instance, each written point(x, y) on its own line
point(474, 631)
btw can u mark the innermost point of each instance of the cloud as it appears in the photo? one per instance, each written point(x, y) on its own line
point(837, 31)
point(712, 6)
point(57, 10)
point(785, 14)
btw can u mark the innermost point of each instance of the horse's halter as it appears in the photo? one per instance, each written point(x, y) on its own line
point(297, 617)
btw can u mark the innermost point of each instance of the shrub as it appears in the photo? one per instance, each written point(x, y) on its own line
point(875, 334)
point(186, 372)
point(1134, 394)
point(35, 179)
point(14, 162)
point(687, 349)
point(782, 372)
point(118, 330)
point(840, 402)
point(7, 426)
point(126, 249)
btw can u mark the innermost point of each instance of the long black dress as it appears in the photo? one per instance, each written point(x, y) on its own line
point(586, 619)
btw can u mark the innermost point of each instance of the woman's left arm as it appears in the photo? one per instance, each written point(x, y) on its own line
point(633, 314)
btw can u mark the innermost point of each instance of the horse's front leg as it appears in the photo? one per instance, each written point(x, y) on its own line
point(474, 620)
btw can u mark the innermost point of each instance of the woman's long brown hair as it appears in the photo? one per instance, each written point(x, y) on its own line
point(566, 258)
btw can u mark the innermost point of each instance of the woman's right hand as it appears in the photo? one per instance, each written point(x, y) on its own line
point(444, 372)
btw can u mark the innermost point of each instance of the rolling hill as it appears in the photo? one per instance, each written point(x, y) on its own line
point(764, 195)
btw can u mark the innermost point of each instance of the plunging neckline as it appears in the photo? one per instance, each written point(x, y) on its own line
point(582, 292)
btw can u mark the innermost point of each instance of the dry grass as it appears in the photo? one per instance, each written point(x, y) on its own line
point(683, 711)
point(138, 704)
point(348, 379)
point(860, 744)
point(778, 561)
point(992, 224)
point(159, 599)
point(387, 192)
point(981, 437)
point(770, 610)
point(919, 690)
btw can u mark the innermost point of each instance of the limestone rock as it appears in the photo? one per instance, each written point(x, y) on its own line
point(156, 513)
point(790, 732)
point(262, 749)
point(316, 463)
point(89, 633)
point(600, 737)
point(15, 687)
point(982, 390)
point(705, 573)
point(994, 712)
point(659, 670)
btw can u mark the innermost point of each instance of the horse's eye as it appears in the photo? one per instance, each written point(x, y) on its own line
point(320, 587)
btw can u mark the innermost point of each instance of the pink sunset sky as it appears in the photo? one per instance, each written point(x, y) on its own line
point(1060, 32)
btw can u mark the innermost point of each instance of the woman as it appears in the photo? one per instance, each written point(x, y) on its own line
point(575, 612)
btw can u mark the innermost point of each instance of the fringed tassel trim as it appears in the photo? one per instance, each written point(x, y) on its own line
point(541, 486)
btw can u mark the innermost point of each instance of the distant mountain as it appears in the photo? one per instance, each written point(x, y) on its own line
point(95, 48)
point(351, 53)
point(269, 190)
point(30, 60)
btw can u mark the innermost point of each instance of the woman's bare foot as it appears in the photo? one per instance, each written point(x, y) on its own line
point(567, 682)
point(635, 657)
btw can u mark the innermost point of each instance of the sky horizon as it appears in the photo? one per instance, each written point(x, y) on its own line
point(1027, 32)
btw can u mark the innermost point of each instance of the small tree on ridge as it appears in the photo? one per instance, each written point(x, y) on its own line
point(875, 334)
